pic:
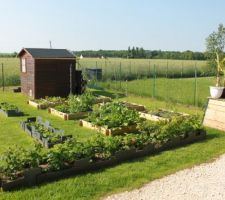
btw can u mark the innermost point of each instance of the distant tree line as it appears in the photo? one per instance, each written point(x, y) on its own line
point(8, 55)
point(139, 52)
point(135, 52)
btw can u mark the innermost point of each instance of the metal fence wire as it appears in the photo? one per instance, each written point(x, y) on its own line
point(178, 84)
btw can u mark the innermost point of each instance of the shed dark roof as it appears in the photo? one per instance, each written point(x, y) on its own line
point(47, 53)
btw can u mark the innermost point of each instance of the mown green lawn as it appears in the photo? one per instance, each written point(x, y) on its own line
point(185, 90)
point(128, 175)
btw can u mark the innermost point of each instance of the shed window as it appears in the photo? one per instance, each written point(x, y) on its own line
point(24, 65)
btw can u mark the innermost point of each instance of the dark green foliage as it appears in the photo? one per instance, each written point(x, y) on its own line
point(112, 115)
point(97, 148)
point(166, 114)
point(46, 133)
point(17, 158)
point(136, 52)
point(163, 131)
point(82, 103)
point(7, 107)
point(48, 100)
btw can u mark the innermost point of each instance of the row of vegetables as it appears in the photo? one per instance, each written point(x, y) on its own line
point(99, 147)
point(64, 151)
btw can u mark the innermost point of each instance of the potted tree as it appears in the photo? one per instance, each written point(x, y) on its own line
point(215, 44)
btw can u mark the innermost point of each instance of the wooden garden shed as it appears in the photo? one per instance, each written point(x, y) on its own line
point(48, 72)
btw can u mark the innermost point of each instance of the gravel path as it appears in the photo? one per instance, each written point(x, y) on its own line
point(203, 182)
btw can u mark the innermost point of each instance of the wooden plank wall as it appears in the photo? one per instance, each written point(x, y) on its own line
point(52, 77)
point(27, 78)
point(215, 114)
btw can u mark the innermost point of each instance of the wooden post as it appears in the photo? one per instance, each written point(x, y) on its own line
point(182, 68)
point(120, 75)
point(3, 81)
point(154, 82)
point(167, 85)
point(71, 79)
point(195, 89)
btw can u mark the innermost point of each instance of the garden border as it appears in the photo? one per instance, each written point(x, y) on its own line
point(102, 99)
point(67, 116)
point(152, 117)
point(37, 135)
point(106, 131)
point(42, 106)
point(134, 106)
point(12, 113)
point(35, 176)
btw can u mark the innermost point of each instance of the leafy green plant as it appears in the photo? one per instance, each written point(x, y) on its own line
point(76, 103)
point(15, 159)
point(7, 107)
point(166, 114)
point(47, 100)
point(114, 114)
point(57, 157)
point(100, 147)
point(52, 136)
point(163, 131)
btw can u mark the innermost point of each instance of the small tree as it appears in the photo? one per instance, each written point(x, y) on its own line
point(215, 44)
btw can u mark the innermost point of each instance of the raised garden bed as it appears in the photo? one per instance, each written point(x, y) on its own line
point(112, 119)
point(47, 102)
point(134, 106)
point(35, 176)
point(43, 132)
point(10, 110)
point(67, 116)
point(109, 131)
point(102, 99)
point(161, 115)
point(76, 107)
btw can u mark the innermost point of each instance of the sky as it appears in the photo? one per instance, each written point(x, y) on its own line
point(177, 25)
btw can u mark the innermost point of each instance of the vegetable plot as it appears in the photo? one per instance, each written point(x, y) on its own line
point(112, 118)
point(161, 114)
point(20, 167)
point(43, 132)
point(75, 108)
point(10, 110)
point(46, 102)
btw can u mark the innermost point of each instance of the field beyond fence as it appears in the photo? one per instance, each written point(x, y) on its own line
point(179, 81)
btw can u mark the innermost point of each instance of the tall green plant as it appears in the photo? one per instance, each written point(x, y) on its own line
point(215, 44)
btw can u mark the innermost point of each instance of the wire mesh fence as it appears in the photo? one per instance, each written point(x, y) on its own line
point(9, 72)
point(172, 81)
point(178, 83)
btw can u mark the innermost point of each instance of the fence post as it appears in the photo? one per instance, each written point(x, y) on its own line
point(3, 81)
point(105, 74)
point(130, 69)
point(120, 75)
point(195, 89)
point(182, 68)
point(167, 85)
point(126, 88)
point(154, 79)
point(96, 73)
